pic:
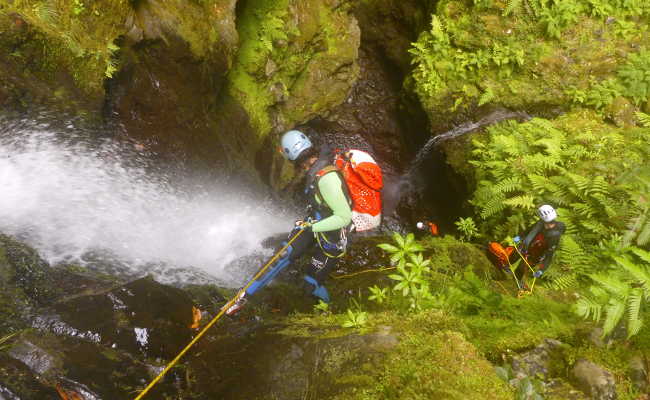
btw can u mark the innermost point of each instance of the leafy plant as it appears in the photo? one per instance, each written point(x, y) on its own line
point(322, 307)
point(467, 228)
point(635, 76)
point(405, 247)
point(623, 291)
point(377, 294)
point(355, 319)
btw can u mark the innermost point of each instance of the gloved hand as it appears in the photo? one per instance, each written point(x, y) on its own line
point(538, 273)
point(522, 250)
point(303, 224)
point(300, 226)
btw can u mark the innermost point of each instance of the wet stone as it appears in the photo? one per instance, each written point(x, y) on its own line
point(594, 380)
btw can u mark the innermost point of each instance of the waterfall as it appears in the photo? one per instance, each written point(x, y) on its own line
point(75, 197)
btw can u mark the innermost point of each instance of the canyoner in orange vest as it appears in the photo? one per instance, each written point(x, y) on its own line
point(343, 192)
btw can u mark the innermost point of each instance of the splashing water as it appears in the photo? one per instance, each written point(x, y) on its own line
point(70, 196)
point(400, 186)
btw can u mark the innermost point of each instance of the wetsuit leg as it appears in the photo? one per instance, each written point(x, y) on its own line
point(317, 271)
point(303, 243)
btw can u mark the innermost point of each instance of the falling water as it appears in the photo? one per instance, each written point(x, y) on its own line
point(77, 198)
point(403, 184)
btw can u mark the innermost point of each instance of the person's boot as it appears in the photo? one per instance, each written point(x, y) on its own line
point(316, 289)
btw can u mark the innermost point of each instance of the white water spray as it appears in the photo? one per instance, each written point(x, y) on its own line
point(68, 197)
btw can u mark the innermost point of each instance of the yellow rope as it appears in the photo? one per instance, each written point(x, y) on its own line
point(361, 272)
point(215, 319)
point(532, 286)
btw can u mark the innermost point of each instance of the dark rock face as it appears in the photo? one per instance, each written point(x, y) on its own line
point(164, 97)
point(594, 380)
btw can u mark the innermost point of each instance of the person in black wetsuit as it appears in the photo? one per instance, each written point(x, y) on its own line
point(540, 242)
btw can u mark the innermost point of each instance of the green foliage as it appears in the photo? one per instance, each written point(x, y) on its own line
point(622, 291)
point(526, 51)
point(411, 281)
point(439, 64)
point(322, 307)
point(378, 295)
point(578, 170)
point(405, 246)
point(632, 81)
point(355, 319)
point(467, 228)
point(643, 118)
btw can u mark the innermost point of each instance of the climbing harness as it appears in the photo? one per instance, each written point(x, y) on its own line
point(218, 316)
point(327, 246)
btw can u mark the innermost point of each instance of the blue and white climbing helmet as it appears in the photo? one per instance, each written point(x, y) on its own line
point(293, 143)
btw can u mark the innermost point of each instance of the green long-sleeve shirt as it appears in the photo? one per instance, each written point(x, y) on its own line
point(331, 189)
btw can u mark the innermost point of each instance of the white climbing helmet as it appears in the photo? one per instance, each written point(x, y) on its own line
point(293, 143)
point(547, 213)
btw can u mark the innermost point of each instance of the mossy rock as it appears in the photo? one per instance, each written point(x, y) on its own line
point(296, 60)
point(498, 53)
point(449, 254)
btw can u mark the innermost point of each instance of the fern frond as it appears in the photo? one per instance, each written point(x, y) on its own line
point(634, 321)
point(639, 273)
point(524, 201)
point(539, 183)
point(644, 236)
point(563, 282)
point(588, 308)
point(599, 185)
point(642, 254)
point(595, 226)
point(584, 209)
point(613, 313)
point(493, 206)
point(643, 118)
point(612, 284)
point(508, 185)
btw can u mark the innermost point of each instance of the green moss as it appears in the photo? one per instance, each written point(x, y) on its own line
point(286, 50)
point(430, 366)
point(80, 38)
point(515, 58)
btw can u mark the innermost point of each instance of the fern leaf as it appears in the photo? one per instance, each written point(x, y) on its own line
point(584, 209)
point(508, 185)
point(642, 254)
point(525, 201)
point(599, 185)
point(644, 236)
point(588, 308)
point(564, 282)
point(613, 313)
point(612, 284)
point(493, 206)
point(643, 118)
point(640, 274)
point(634, 321)
point(486, 97)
